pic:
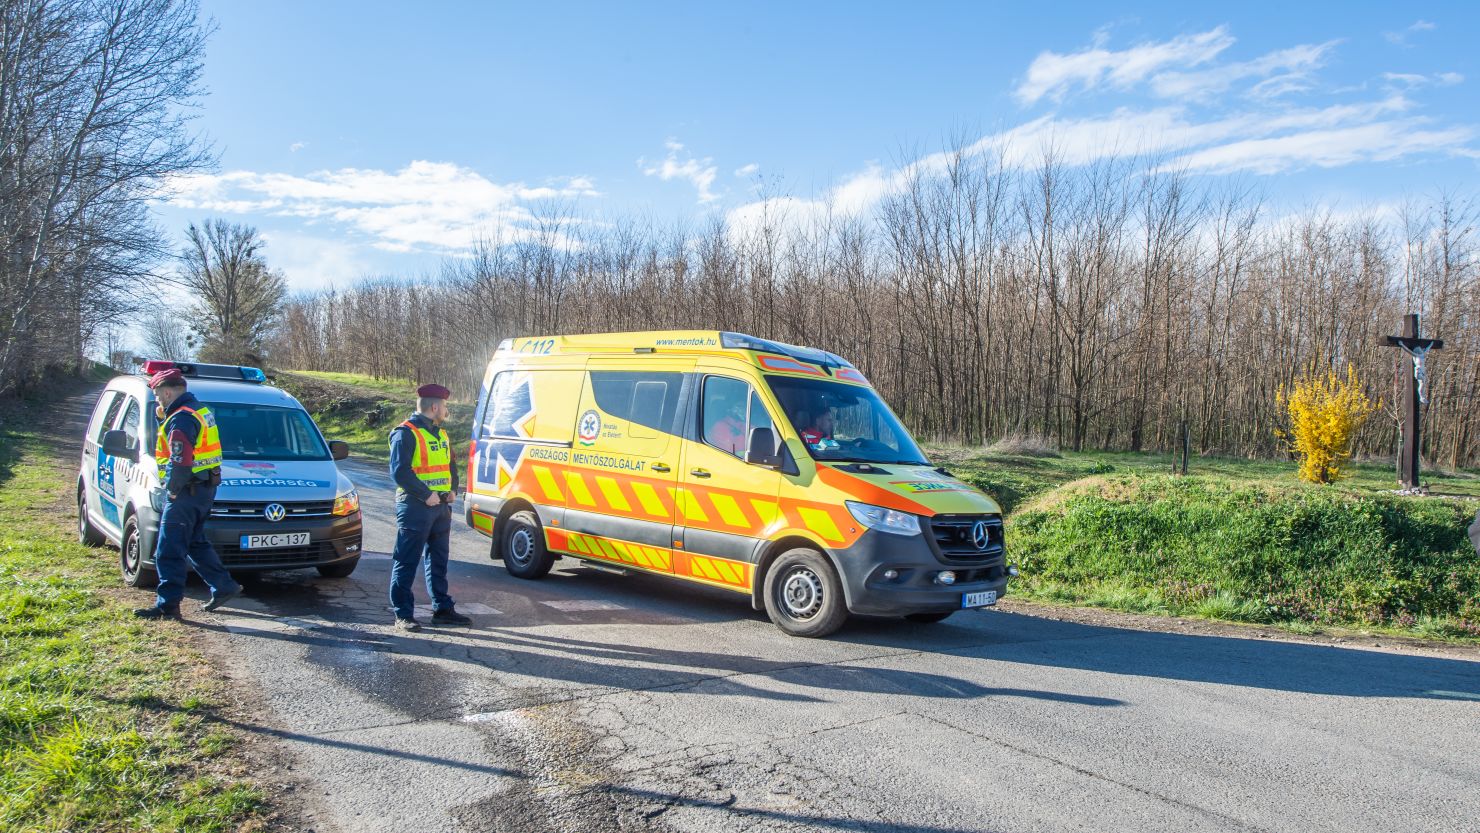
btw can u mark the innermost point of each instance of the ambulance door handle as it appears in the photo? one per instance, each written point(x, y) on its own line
point(699, 472)
point(660, 468)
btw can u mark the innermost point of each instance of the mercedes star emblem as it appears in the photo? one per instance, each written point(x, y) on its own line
point(981, 536)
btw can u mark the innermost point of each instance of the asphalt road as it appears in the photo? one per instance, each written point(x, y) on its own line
point(591, 702)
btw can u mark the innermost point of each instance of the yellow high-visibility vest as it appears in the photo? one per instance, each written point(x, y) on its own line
point(432, 459)
point(207, 443)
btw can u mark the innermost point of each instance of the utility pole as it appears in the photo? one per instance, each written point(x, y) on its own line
point(1414, 394)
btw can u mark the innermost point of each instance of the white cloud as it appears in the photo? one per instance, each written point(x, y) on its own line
point(429, 206)
point(1283, 71)
point(699, 172)
point(1411, 80)
point(312, 262)
point(1401, 38)
point(297, 146)
point(1053, 74)
point(1380, 142)
point(747, 170)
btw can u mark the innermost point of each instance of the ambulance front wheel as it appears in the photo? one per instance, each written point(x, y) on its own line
point(803, 594)
point(523, 546)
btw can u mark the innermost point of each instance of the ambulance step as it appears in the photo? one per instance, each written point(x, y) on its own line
point(605, 568)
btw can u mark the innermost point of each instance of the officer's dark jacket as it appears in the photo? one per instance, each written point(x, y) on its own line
point(403, 451)
point(181, 431)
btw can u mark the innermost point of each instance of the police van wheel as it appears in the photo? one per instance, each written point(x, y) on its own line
point(86, 532)
point(803, 594)
point(929, 618)
point(523, 546)
point(131, 557)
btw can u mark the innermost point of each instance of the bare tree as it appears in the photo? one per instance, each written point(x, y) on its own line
point(238, 299)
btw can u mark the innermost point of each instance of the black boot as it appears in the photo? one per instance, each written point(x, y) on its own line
point(450, 617)
point(158, 612)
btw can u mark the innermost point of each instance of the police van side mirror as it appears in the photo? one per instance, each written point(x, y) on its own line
point(121, 444)
point(338, 449)
point(762, 449)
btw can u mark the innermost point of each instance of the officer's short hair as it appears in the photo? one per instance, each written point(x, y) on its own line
point(173, 383)
point(425, 403)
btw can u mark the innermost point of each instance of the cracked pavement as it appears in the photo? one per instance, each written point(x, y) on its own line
point(591, 702)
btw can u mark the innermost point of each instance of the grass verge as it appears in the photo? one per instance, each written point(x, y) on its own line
point(362, 411)
point(1253, 551)
point(105, 723)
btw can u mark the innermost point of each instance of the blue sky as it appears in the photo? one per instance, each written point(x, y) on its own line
point(374, 138)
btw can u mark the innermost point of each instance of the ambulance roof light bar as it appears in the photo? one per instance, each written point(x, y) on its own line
point(741, 341)
point(197, 370)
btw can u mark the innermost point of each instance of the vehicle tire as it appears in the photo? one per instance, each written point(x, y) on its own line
point(131, 556)
point(929, 618)
point(86, 532)
point(339, 569)
point(803, 594)
point(523, 546)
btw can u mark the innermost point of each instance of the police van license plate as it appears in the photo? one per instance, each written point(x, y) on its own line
point(983, 599)
point(274, 540)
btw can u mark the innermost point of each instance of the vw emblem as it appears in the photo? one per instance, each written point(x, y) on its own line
point(274, 512)
point(981, 535)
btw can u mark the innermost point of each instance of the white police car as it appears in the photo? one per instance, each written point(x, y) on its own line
point(282, 503)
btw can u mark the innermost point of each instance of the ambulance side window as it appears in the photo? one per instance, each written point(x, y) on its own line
point(724, 414)
point(507, 402)
point(109, 414)
point(648, 401)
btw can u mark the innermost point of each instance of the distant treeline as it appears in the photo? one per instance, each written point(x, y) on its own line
point(1097, 305)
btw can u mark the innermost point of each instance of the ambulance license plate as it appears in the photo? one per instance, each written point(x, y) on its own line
point(985, 598)
point(275, 540)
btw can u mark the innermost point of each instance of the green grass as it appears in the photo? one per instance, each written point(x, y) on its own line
point(95, 731)
point(362, 411)
point(1243, 549)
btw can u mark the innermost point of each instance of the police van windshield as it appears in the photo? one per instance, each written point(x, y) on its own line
point(846, 423)
point(263, 432)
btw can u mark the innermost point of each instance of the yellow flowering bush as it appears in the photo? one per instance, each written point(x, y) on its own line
point(1325, 410)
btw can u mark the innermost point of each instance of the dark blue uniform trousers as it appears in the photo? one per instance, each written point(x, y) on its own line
point(420, 530)
point(182, 538)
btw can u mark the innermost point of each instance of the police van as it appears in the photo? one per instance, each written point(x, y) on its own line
point(765, 469)
point(282, 502)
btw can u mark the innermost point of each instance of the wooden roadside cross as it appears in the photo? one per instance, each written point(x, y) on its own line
point(1414, 394)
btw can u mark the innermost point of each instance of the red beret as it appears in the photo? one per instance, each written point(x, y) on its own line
point(171, 376)
point(433, 392)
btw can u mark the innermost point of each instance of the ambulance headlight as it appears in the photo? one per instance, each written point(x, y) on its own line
point(347, 503)
point(883, 518)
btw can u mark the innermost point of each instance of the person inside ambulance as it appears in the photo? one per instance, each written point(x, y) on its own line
point(819, 435)
point(727, 432)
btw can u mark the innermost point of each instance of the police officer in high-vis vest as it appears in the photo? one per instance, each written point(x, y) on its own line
point(426, 485)
point(187, 451)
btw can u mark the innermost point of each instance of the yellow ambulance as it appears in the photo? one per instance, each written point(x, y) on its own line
point(732, 461)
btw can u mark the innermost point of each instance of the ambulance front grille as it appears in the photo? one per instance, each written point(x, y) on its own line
point(955, 536)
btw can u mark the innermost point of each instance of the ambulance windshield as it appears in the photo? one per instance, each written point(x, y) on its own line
point(845, 423)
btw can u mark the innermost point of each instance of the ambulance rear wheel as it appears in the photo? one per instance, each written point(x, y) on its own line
point(86, 532)
point(803, 594)
point(131, 557)
point(523, 546)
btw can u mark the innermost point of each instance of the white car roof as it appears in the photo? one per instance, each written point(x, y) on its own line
point(215, 390)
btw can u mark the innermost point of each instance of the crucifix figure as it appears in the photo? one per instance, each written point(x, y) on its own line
point(1415, 393)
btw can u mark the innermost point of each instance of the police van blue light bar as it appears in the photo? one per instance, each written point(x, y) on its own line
point(196, 370)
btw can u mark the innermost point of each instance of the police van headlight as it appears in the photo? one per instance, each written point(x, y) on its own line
point(883, 518)
point(347, 503)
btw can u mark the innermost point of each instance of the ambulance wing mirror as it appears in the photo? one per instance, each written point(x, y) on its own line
point(120, 444)
point(762, 451)
point(338, 449)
